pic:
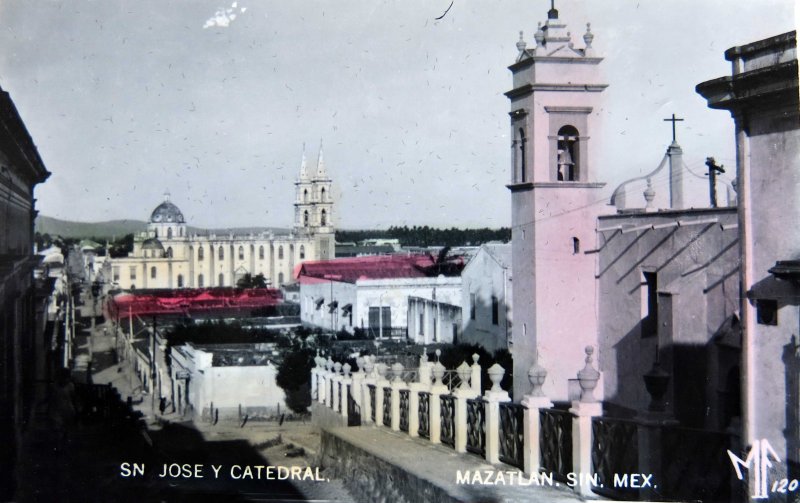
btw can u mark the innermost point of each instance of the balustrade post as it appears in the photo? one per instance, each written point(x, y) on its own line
point(369, 378)
point(345, 383)
point(534, 402)
point(493, 398)
point(437, 389)
point(380, 383)
point(651, 425)
point(397, 385)
point(475, 375)
point(584, 410)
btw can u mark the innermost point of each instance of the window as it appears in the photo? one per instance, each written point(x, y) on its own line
point(650, 301)
point(567, 154)
point(521, 140)
point(472, 302)
point(132, 272)
point(169, 252)
point(241, 253)
point(280, 253)
point(322, 217)
point(305, 196)
point(302, 252)
point(261, 252)
point(280, 279)
point(180, 280)
point(153, 273)
point(305, 218)
point(115, 273)
point(169, 233)
point(495, 310)
point(221, 253)
point(200, 282)
point(200, 253)
point(221, 280)
point(576, 246)
point(380, 318)
point(767, 312)
point(422, 321)
point(322, 194)
point(180, 231)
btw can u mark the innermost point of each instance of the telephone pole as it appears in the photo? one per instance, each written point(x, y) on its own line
point(713, 169)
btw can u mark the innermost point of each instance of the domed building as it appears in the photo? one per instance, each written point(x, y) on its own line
point(167, 255)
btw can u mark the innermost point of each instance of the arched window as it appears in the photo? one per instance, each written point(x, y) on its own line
point(221, 253)
point(200, 253)
point(576, 245)
point(305, 196)
point(180, 231)
point(305, 218)
point(568, 154)
point(200, 282)
point(241, 253)
point(169, 252)
point(322, 218)
point(155, 233)
point(153, 272)
point(302, 252)
point(180, 280)
point(221, 279)
point(261, 252)
point(322, 194)
point(521, 142)
point(169, 232)
point(280, 279)
point(280, 252)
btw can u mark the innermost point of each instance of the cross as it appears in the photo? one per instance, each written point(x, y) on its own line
point(673, 120)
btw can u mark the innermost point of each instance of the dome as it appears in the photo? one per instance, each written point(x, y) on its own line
point(152, 244)
point(166, 212)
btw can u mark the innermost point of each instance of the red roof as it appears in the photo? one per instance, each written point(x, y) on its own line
point(349, 270)
point(191, 300)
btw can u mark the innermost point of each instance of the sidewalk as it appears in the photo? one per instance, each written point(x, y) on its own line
point(377, 462)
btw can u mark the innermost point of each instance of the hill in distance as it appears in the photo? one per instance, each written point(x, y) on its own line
point(112, 229)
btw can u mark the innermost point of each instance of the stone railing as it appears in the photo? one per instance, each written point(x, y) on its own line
point(448, 407)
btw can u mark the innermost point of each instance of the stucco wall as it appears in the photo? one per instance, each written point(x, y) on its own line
point(696, 267)
point(483, 278)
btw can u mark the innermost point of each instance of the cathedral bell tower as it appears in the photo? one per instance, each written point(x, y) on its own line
point(314, 206)
point(555, 104)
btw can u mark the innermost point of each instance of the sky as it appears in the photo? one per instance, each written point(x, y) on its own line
point(214, 102)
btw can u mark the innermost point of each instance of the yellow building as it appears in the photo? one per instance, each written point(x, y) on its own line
point(167, 256)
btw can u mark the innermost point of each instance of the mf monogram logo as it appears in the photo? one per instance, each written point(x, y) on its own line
point(759, 460)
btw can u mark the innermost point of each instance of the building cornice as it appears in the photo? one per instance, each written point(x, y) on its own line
point(527, 89)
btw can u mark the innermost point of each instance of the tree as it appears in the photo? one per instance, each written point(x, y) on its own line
point(294, 376)
point(250, 281)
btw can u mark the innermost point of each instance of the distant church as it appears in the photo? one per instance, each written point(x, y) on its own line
point(166, 256)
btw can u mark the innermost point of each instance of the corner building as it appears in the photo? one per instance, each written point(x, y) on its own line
point(166, 256)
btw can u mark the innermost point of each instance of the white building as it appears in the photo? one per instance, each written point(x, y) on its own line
point(486, 299)
point(166, 256)
point(228, 378)
point(370, 293)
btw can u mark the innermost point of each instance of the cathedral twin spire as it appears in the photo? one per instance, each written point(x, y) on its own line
point(321, 172)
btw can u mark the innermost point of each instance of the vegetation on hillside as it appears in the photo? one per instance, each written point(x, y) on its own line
point(428, 236)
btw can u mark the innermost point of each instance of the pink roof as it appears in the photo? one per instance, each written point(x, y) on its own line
point(349, 270)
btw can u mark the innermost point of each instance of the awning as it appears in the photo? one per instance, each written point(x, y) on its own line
point(319, 302)
point(347, 309)
point(332, 306)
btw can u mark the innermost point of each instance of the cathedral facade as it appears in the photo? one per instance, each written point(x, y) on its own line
point(167, 256)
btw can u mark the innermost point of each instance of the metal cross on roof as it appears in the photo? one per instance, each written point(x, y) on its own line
point(673, 120)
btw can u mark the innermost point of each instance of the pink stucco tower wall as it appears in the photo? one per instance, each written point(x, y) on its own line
point(556, 198)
